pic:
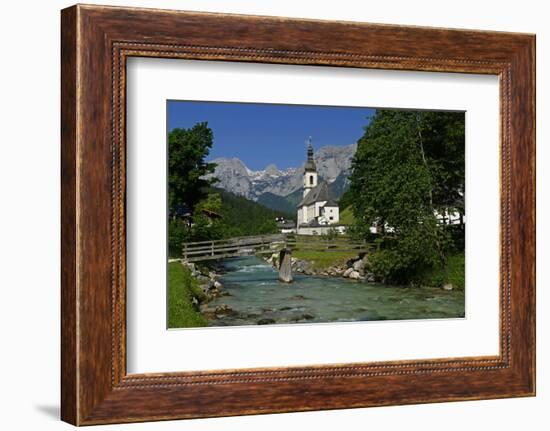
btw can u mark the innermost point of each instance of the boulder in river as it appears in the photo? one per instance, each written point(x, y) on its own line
point(359, 265)
point(347, 272)
point(447, 286)
point(355, 275)
point(223, 310)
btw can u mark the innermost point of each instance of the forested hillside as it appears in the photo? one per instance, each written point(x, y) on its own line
point(246, 217)
point(278, 203)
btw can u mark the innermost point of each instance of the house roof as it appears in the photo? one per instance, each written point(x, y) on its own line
point(320, 192)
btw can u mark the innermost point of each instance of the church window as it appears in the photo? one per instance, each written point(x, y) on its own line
point(311, 179)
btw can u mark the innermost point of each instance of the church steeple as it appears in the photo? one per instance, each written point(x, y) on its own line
point(310, 164)
point(310, 170)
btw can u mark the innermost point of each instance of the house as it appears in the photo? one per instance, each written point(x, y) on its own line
point(285, 226)
point(318, 211)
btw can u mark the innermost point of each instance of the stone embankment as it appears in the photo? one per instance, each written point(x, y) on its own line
point(355, 268)
point(208, 288)
point(207, 280)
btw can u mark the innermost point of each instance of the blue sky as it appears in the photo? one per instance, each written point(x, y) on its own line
point(262, 134)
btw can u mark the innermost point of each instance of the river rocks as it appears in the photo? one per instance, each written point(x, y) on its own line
point(337, 271)
point(370, 278)
point(359, 265)
point(302, 317)
point(208, 284)
point(202, 279)
point(347, 272)
point(302, 266)
point(190, 266)
point(447, 286)
point(273, 259)
point(224, 310)
point(265, 321)
point(355, 275)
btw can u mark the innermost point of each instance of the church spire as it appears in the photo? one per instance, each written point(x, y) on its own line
point(310, 164)
point(310, 170)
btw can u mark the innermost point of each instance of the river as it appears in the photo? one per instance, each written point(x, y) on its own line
point(257, 297)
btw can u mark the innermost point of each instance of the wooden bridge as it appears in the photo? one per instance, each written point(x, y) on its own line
point(283, 244)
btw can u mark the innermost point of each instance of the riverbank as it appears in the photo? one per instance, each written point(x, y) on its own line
point(190, 288)
point(245, 291)
point(183, 292)
point(356, 267)
point(451, 276)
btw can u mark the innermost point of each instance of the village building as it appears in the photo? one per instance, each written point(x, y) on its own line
point(285, 226)
point(318, 211)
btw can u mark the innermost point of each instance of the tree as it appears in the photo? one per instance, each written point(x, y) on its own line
point(442, 137)
point(187, 150)
point(407, 166)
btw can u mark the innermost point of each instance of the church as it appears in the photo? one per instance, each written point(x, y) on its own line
point(318, 211)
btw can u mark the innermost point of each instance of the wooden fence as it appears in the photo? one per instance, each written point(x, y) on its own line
point(262, 244)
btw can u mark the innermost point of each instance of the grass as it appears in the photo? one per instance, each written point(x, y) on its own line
point(181, 290)
point(323, 259)
point(452, 272)
point(347, 217)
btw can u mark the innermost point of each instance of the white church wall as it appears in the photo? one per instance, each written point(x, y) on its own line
point(333, 212)
point(310, 213)
point(318, 206)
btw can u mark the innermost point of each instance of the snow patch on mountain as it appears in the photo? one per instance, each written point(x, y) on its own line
point(234, 176)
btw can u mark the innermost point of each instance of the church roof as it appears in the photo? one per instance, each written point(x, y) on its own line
point(320, 192)
point(331, 203)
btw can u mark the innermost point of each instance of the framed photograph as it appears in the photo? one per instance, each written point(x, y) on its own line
point(264, 215)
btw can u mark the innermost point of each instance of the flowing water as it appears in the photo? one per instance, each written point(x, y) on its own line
point(257, 297)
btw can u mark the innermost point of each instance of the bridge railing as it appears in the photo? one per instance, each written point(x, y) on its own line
point(262, 244)
point(217, 249)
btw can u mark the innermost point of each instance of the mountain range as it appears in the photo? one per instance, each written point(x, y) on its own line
point(282, 189)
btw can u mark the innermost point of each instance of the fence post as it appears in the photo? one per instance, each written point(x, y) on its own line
point(212, 248)
point(184, 251)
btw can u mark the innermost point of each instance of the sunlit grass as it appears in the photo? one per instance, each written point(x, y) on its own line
point(181, 290)
point(324, 259)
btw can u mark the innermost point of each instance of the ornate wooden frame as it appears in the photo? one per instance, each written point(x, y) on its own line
point(95, 43)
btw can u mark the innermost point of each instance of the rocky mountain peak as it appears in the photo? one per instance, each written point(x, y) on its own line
point(272, 170)
point(333, 162)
